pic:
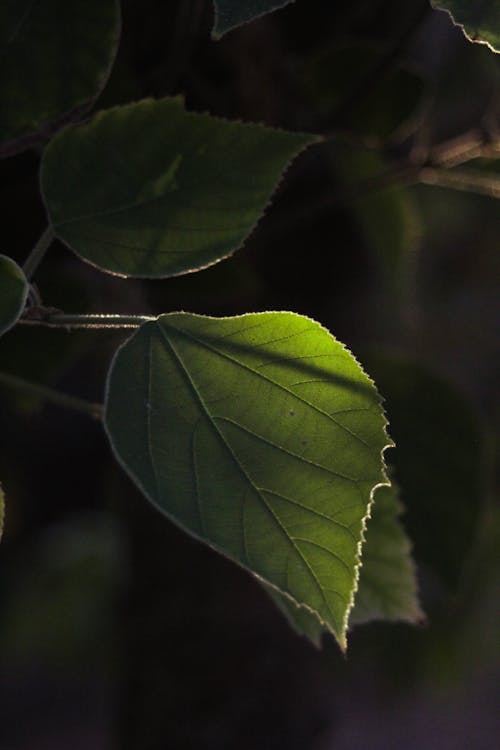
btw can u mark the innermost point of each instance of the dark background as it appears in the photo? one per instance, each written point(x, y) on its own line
point(119, 631)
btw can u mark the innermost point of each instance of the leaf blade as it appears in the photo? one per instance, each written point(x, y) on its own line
point(42, 45)
point(479, 21)
point(14, 289)
point(232, 13)
point(161, 191)
point(237, 449)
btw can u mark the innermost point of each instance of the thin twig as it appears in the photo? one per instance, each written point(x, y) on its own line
point(49, 394)
point(37, 254)
point(51, 319)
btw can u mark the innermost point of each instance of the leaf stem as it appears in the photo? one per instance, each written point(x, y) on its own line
point(37, 254)
point(462, 179)
point(62, 320)
point(49, 394)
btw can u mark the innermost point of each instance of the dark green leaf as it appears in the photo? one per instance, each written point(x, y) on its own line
point(479, 19)
point(437, 462)
point(231, 13)
point(55, 58)
point(387, 588)
point(260, 435)
point(387, 584)
point(13, 293)
point(151, 190)
point(350, 91)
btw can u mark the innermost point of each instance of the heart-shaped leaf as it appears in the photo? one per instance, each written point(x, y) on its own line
point(55, 58)
point(262, 436)
point(150, 190)
point(231, 13)
point(13, 293)
point(479, 19)
point(387, 587)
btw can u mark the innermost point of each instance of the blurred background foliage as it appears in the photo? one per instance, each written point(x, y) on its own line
point(107, 640)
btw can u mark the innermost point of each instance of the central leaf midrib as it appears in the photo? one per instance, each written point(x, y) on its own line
point(241, 468)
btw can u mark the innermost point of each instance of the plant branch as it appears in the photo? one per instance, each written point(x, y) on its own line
point(37, 254)
point(472, 145)
point(462, 179)
point(49, 394)
point(54, 319)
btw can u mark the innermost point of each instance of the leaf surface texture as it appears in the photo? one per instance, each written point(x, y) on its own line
point(150, 190)
point(262, 436)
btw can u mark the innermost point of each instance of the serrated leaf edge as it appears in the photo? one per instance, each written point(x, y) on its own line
point(463, 28)
point(341, 638)
point(314, 139)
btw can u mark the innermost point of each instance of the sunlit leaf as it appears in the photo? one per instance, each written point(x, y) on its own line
point(55, 58)
point(387, 588)
point(151, 190)
point(231, 13)
point(262, 436)
point(13, 293)
point(479, 19)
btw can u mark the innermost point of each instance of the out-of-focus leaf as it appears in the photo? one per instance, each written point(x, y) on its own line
point(387, 100)
point(479, 19)
point(150, 190)
point(13, 293)
point(388, 219)
point(437, 462)
point(61, 590)
point(262, 436)
point(231, 13)
point(55, 58)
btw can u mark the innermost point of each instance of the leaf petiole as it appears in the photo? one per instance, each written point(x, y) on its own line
point(37, 254)
point(49, 394)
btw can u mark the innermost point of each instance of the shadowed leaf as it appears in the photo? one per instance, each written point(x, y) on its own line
point(13, 293)
point(150, 190)
point(231, 13)
point(55, 58)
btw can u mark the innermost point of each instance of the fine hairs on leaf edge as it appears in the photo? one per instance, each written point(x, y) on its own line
point(341, 638)
point(473, 39)
point(314, 139)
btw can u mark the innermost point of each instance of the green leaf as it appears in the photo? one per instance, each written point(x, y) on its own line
point(150, 190)
point(438, 462)
point(479, 19)
point(13, 293)
point(387, 583)
point(55, 59)
point(343, 88)
point(387, 588)
point(262, 436)
point(231, 13)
